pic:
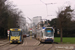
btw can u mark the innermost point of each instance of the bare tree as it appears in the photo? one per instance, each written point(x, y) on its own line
point(64, 17)
point(9, 16)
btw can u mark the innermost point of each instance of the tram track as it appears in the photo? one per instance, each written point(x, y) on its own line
point(26, 43)
point(8, 46)
point(4, 44)
point(44, 45)
point(51, 47)
point(31, 45)
point(11, 46)
point(39, 46)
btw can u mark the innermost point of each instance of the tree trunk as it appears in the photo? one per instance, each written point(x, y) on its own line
point(61, 35)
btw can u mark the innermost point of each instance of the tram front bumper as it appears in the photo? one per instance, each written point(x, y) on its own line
point(19, 41)
point(47, 40)
point(15, 41)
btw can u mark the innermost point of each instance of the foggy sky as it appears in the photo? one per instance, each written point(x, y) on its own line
point(32, 8)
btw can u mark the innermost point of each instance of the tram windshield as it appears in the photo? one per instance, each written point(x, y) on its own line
point(15, 33)
point(49, 32)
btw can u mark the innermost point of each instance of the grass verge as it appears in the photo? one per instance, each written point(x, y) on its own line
point(66, 40)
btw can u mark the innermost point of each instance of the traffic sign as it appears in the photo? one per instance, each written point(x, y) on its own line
point(30, 30)
point(8, 31)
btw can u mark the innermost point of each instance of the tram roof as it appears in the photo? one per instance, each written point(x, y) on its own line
point(15, 29)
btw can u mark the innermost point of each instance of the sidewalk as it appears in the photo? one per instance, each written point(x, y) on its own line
point(3, 41)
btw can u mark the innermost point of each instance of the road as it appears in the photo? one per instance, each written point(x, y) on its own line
point(33, 44)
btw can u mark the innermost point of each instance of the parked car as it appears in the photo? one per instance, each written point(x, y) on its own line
point(27, 35)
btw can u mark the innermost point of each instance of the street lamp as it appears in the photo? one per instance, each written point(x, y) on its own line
point(46, 6)
point(30, 20)
point(30, 28)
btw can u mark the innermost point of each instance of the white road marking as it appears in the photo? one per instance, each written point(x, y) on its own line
point(25, 42)
point(36, 43)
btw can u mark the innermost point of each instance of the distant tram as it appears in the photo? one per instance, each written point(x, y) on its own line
point(46, 34)
point(15, 35)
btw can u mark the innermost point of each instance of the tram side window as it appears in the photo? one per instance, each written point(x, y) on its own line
point(41, 34)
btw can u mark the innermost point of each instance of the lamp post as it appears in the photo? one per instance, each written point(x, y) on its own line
point(30, 28)
point(46, 6)
point(8, 31)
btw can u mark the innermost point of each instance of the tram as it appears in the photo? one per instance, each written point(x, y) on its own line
point(15, 35)
point(46, 34)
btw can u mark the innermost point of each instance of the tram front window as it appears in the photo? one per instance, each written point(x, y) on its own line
point(13, 33)
point(49, 32)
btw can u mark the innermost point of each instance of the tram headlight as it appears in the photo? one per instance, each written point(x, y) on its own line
point(10, 41)
point(19, 41)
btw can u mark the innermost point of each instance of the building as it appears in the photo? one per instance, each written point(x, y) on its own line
point(22, 24)
point(36, 20)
